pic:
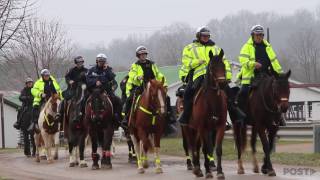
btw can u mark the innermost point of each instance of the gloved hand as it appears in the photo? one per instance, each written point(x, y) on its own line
point(43, 95)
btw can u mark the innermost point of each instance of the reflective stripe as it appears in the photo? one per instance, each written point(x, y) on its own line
point(272, 60)
point(195, 51)
point(216, 50)
point(244, 55)
point(184, 70)
point(199, 70)
point(246, 78)
point(186, 56)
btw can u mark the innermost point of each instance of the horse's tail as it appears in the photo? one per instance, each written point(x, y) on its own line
point(240, 136)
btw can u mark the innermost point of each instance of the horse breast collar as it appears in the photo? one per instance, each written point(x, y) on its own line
point(146, 110)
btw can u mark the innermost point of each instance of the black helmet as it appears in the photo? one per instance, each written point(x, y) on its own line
point(204, 30)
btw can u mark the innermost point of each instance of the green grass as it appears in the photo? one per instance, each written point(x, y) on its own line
point(173, 146)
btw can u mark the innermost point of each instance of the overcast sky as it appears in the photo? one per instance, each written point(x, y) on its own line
point(92, 21)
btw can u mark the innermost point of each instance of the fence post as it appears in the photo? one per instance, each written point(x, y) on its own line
point(2, 122)
point(316, 138)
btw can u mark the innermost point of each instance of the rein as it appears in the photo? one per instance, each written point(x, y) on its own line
point(47, 120)
point(269, 109)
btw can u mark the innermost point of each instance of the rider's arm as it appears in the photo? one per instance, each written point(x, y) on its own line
point(159, 75)
point(23, 96)
point(274, 60)
point(36, 91)
point(68, 76)
point(188, 58)
point(244, 58)
point(227, 68)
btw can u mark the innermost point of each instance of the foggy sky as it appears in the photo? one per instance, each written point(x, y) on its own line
point(92, 21)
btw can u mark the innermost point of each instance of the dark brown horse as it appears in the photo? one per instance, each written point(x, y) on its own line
point(266, 103)
point(99, 121)
point(209, 113)
point(75, 132)
point(147, 123)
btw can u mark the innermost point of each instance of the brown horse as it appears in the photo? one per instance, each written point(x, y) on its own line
point(147, 123)
point(76, 133)
point(209, 113)
point(266, 103)
point(49, 127)
point(99, 121)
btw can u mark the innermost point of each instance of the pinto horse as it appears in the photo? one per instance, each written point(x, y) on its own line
point(49, 127)
point(99, 121)
point(147, 123)
point(209, 114)
point(266, 103)
point(75, 132)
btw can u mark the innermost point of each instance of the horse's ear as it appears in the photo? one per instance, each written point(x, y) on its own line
point(221, 54)
point(210, 54)
point(288, 74)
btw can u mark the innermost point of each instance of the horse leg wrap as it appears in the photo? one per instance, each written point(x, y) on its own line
point(158, 162)
point(95, 156)
point(107, 154)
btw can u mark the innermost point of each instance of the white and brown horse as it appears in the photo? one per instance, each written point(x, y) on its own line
point(48, 136)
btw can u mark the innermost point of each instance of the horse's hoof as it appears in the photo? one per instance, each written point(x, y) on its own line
point(212, 166)
point(220, 176)
point(83, 165)
point(77, 163)
point(264, 171)
point(140, 170)
point(43, 157)
point(106, 166)
point(209, 175)
point(37, 159)
point(241, 171)
point(159, 170)
point(145, 165)
point(256, 170)
point(56, 157)
point(272, 173)
point(95, 167)
point(197, 172)
point(189, 167)
point(72, 164)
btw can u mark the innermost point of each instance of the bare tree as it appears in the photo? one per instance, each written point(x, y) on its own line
point(41, 45)
point(12, 14)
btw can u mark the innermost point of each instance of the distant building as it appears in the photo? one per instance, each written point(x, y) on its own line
point(11, 104)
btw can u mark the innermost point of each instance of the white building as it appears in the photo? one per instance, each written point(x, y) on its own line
point(10, 106)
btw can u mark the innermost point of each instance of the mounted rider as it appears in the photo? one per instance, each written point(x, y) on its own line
point(195, 58)
point(74, 77)
point(140, 73)
point(42, 90)
point(102, 77)
point(256, 57)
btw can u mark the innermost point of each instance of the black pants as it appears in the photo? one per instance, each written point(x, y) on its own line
point(191, 88)
point(28, 139)
point(35, 113)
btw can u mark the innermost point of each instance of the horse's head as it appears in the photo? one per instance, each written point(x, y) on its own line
point(281, 90)
point(216, 69)
point(157, 94)
point(54, 102)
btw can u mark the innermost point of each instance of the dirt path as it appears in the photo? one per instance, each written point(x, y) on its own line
point(16, 166)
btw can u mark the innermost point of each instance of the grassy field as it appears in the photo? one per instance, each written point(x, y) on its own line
point(173, 146)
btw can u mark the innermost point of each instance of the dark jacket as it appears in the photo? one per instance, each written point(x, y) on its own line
point(26, 97)
point(76, 74)
point(104, 75)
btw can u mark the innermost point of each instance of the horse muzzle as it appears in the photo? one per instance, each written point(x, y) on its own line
point(284, 105)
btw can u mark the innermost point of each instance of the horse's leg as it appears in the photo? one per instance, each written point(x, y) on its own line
point(47, 144)
point(253, 142)
point(157, 137)
point(195, 143)
point(82, 140)
point(106, 148)
point(237, 137)
point(132, 153)
point(56, 141)
point(145, 144)
point(136, 143)
point(37, 142)
point(266, 167)
point(211, 147)
point(206, 139)
point(94, 154)
point(186, 150)
point(219, 139)
point(71, 154)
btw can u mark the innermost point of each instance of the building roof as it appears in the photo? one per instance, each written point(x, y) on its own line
point(11, 98)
